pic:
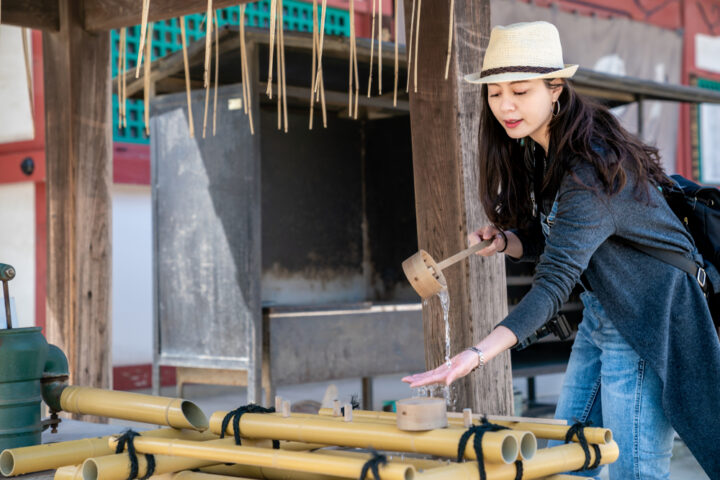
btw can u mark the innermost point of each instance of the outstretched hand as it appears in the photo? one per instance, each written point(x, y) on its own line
point(460, 365)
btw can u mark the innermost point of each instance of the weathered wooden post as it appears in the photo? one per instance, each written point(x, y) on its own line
point(79, 155)
point(444, 116)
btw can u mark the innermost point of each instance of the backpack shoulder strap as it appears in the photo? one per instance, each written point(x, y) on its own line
point(675, 259)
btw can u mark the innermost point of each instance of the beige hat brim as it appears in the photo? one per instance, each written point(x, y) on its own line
point(566, 72)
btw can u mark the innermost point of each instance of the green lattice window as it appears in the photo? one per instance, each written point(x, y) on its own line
point(166, 39)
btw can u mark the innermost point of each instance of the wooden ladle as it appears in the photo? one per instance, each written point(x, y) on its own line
point(426, 276)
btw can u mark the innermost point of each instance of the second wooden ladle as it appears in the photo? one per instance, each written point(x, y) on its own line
point(425, 275)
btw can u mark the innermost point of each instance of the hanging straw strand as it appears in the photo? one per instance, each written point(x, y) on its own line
point(353, 36)
point(279, 79)
point(28, 71)
point(208, 44)
point(314, 63)
point(217, 72)
point(450, 37)
point(123, 82)
point(350, 61)
point(397, 64)
point(273, 20)
point(143, 33)
point(245, 72)
point(119, 75)
point(146, 79)
point(281, 31)
point(379, 33)
point(322, 42)
point(183, 37)
point(409, 48)
point(372, 48)
point(417, 41)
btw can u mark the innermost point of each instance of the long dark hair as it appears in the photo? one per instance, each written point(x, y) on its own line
point(581, 127)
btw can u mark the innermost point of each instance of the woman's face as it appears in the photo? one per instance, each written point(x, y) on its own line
point(523, 108)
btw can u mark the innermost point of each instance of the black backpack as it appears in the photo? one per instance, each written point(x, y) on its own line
point(698, 208)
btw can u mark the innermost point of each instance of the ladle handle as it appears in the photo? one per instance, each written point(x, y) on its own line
point(465, 253)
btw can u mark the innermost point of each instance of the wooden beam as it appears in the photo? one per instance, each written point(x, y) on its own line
point(110, 14)
point(79, 168)
point(444, 116)
point(38, 14)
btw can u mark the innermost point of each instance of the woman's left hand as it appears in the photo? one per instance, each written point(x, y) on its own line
point(460, 365)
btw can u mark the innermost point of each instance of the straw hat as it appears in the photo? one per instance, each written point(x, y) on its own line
point(523, 51)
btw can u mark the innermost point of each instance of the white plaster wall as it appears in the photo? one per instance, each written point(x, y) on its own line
point(14, 96)
point(17, 247)
point(131, 275)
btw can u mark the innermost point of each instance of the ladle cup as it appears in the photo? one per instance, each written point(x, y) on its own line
point(425, 275)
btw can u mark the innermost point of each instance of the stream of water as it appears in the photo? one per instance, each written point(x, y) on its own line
point(444, 297)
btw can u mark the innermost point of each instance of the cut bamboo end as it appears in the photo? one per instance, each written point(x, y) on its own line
point(467, 417)
point(347, 412)
point(286, 408)
point(71, 472)
point(173, 412)
point(527, 443)
point(336, 412)
point(421, 413)
point(278, 403)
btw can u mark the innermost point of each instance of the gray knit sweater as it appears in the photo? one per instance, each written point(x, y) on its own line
point(658, 309)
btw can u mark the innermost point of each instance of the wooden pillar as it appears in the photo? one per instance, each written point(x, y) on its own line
point(79, 156)
point(444, 117)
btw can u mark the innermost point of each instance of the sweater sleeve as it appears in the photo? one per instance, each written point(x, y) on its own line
point(533, 243)
point(582, 223)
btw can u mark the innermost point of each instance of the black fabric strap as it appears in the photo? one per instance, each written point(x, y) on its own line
point(373, 465)
point(578, 428)
point(677, 260)
point(128, 439)
point(479, 431)
point(235, 415)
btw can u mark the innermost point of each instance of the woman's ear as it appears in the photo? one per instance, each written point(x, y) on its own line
point(558, 85)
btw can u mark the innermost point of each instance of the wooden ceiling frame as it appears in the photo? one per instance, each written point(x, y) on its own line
point(101, 15)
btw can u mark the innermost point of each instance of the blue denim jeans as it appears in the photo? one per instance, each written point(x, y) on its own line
point(608, 384)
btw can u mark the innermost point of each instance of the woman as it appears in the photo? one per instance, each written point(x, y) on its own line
point(646, 358)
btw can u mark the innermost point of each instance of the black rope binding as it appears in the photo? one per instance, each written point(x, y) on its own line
point(354, 403)
point(518, 470)
point(578, 428)
point(373, 465)
point(479, 431)
point(128, 438)
point(235, 415)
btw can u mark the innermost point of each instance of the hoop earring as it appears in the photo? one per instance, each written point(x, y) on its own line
point(556, 111)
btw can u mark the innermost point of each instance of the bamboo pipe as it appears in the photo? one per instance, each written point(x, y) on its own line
point(71, 472)
point(117, 467)
point(541, 430)
point(225, 450)
point(497, 446)
point(264, 473)
point(190, 475)
point(527, 441)
point(418, 463)
point(548, 461)
point(173, 412)
point(18, 461)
